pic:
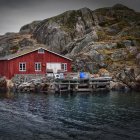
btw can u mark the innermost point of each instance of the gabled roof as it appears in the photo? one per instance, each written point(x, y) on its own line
point(27, 51)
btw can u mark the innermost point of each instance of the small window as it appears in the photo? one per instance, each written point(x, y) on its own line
point(22, 66)
point(38, 66)
point(41, 50)
point(64, 66)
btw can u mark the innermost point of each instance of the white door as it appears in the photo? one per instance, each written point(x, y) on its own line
point(54, 66)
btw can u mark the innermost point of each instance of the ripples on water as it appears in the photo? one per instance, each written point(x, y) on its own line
point(81, 116)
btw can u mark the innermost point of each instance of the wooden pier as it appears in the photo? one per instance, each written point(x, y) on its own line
point(82, 85)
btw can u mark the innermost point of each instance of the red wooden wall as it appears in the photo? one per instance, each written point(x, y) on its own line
point(12, 67)
point(4, 68)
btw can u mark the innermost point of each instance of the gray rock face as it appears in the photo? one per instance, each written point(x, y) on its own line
point(132, 50)
point(102, 45)
point(29, 27)
point(138, 58)
point(80, 28)
point(127, 43)
point(59, 31)
point(119, 86)
point(86, 15)
point(52, 35)
point(129, 77)
point(11, 43)
point(119, 55)
point(95, 56)
point(25, 42)
point(81, 44)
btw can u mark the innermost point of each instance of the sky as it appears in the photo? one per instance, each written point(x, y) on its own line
point(16, 13)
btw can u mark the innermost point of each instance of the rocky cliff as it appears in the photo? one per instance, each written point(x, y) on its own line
point(107, 37)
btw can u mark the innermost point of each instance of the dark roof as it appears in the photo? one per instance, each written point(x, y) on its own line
point(26, 51)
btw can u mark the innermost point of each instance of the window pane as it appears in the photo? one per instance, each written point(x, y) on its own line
point(35, 66)
point(64, 66)
point(22, 66)
point(38, 66)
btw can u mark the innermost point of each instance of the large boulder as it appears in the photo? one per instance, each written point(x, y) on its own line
point(3, 84)
point(10, 84)
point(103, 72)
point(118, 86)
point(129, 77)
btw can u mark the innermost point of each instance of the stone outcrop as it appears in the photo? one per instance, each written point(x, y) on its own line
point(128, 78)
point(3, 84)
point(33, 85)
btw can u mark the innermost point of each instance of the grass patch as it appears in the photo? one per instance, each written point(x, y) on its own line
point(105, 51)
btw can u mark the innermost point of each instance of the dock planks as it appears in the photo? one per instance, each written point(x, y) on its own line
point(82, 85)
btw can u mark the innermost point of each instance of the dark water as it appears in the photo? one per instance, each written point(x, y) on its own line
point(103, 116)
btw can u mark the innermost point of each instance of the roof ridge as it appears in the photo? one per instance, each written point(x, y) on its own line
point(13, 56)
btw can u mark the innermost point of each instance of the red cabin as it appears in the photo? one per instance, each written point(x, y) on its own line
point(33, 61)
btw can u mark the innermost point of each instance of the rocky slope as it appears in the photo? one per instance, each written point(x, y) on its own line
point(106, 37)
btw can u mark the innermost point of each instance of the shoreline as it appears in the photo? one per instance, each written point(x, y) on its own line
point(45, 85)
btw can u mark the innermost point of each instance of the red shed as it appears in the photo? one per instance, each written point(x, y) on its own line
point(33, 61)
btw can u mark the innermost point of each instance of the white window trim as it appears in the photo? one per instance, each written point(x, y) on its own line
point(41, 51)
point(37, 66)
point(21, 63)
point(65, 66)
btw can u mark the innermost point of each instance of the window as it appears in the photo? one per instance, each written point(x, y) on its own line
point(64, 66)
point(38, 66)
point(41, 50)
point(22, 66)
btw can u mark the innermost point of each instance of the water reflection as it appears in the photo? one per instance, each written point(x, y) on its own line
point(63, 116)
point(8, 95)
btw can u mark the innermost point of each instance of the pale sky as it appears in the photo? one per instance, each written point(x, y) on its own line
point(16, 13)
